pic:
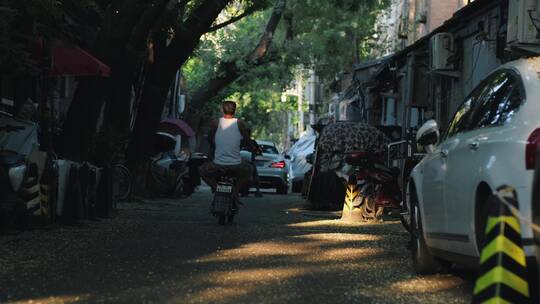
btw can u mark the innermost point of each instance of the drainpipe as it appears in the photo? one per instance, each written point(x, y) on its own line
point(300, 95)
point(409, 94)
point(312, 85)
point(405, 22)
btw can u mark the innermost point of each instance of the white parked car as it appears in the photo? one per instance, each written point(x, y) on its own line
point(298, 164)
point(491, 141)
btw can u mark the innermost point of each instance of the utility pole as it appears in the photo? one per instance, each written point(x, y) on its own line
point(300, 95)
point(288, 132)
point(313, 89)
point(286, 126)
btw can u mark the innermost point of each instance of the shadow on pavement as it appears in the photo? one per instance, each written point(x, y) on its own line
point(173, 251)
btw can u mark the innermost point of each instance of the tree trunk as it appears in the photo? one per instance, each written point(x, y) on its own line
point(155, 91)
point(76, 140)
point(116, 122)
point(118, 44)
point(162, 73)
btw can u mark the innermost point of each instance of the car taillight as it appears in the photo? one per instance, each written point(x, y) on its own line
point(279, 164)
point(533, 146)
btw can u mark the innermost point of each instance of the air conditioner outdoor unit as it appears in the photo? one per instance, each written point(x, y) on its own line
point(523, 20)
point(442, 48)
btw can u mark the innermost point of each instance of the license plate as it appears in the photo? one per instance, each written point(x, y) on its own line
point(224, 188)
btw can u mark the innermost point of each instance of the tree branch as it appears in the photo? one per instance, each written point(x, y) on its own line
point(229, 71)
point(189, 32)
point(268, 35)
point(250, 10)
point(147, 21)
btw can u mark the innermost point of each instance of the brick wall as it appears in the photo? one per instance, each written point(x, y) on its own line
point(438, 11)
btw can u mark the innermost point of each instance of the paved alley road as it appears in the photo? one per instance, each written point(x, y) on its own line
point(174, 252)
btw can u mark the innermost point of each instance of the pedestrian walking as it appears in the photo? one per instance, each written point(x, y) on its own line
point(255, 150)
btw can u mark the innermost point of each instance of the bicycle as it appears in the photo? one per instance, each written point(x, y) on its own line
point(121, 180)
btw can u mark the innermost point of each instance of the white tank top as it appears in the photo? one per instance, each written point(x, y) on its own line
point(228, 139)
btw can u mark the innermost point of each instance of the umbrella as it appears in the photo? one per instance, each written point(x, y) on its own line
point(175, 127)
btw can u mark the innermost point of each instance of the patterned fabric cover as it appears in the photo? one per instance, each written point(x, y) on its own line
point(340, 138)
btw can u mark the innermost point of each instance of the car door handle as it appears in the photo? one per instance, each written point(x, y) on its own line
point(474, 145)
point(444, 153)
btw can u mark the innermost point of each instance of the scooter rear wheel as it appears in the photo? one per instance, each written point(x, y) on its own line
point(370, 210)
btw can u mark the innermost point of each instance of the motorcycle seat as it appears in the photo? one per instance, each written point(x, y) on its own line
point(357, 158)
point(10, 158)
point(361, 158)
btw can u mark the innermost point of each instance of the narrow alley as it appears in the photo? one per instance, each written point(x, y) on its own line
point(173, 251)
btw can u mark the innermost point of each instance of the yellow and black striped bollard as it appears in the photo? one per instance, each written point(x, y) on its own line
point(351, 212)
point(503, 265)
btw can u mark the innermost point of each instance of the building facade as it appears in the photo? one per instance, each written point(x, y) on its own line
point(440, 61)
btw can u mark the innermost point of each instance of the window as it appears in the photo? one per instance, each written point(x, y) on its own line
point(499, 103)
point(493, 102)
point(460, 121)
point(269, 149)
point(512, 105)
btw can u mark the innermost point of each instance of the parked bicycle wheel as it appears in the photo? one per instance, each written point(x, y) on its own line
point(121, 182)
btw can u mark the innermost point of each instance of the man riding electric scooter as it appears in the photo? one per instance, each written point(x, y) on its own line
point(226, 137)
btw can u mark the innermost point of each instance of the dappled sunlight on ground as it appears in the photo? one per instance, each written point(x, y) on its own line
point(54, 300)
point(294, 246)
point(426, 284)
point(344, 254)
point(309, 250)
point(338, 237)
point(229, 284)
point(174, 252)
point(323, 223)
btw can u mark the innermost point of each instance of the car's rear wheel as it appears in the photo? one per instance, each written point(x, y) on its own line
point(482, 212)
point(423, 261)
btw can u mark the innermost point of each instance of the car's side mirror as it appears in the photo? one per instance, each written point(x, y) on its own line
point(428, 135)
point(309, 158)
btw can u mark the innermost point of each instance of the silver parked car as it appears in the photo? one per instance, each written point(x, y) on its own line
point(271, 166)
point(298, 164)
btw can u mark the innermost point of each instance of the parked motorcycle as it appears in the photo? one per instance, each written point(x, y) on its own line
point(177, 176)
point(379, 192)
point(13, 173)
point(223, 203)
point(408, 155)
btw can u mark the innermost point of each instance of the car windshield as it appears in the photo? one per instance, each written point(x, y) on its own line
point(269, 149)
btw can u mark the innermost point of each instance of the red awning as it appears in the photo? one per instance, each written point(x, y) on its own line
point(72, 60)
